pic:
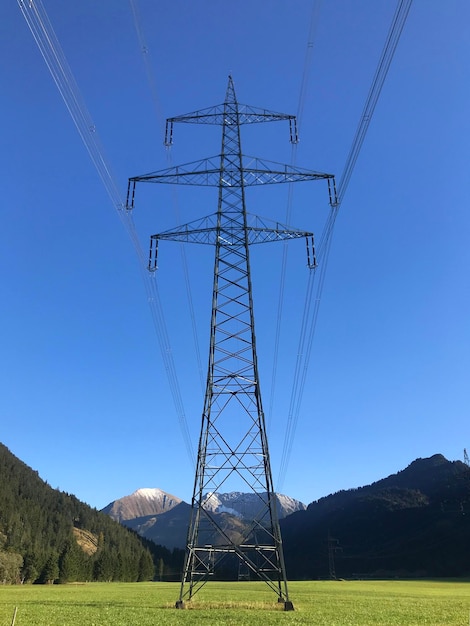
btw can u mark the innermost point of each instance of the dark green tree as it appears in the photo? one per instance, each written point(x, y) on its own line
point(70, 563)
point(146, 567)
point(50, 571)
point(104, 568)
point(29, 572)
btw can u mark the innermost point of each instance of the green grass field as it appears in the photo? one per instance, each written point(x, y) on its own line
point(345, 603)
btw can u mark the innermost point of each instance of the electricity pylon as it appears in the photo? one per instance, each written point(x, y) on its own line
point(233, 450)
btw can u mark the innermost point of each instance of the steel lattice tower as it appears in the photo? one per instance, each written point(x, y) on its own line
point(233, 450)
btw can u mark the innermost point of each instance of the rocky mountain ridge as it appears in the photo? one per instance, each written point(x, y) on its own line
point(142, 502)
point(246, 505)
point(164, 518)
point(153, 501)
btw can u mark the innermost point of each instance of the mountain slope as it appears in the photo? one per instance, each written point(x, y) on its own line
point(415, 522)
point(48, 535)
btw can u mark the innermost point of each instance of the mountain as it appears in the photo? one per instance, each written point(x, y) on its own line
point(164, 519)
point(47, 535)
point(141, 503)
point(413, 523)
point(246, 505)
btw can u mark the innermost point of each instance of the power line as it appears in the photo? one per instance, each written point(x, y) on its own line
point(146, 58)
point(152, 83)
point(311, 313)
point(41, 28)
point(282, 279)
point(396, 28)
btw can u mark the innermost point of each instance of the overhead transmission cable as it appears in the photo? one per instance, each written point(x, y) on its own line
point(310, 316)
point(152, 83)
point(41, 28)
point(146, 57)
point(285, 247)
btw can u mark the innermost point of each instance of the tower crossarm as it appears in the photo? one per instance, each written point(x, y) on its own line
point(206, 231)
point(216, 115)
point(207, 172)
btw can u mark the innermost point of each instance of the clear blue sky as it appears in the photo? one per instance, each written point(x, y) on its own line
point(84, 397)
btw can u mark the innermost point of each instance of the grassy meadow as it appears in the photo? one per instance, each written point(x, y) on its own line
point(317, 603)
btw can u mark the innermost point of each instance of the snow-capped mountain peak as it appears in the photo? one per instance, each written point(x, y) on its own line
point(248, 505)
point(141, 503)
point(149, 493)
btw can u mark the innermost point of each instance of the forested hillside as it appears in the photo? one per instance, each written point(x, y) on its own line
point(413, 523)
point(49, 536)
